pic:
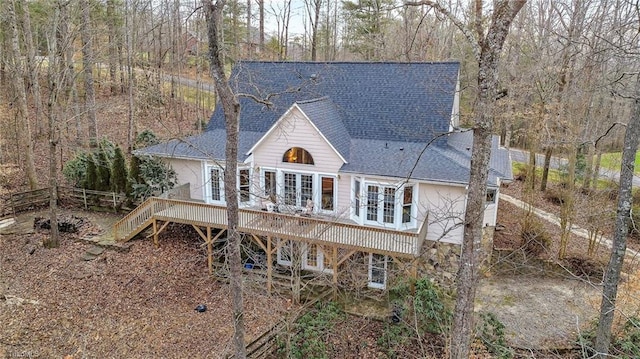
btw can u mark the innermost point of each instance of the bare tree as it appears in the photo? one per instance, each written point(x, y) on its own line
point(313, 8)
point(23, 127)
point(623, 216)
point(33, 68)
point(231, 109)
point(487, 45)
point(87, 63)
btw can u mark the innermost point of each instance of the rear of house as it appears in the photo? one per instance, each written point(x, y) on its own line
point(361, 159)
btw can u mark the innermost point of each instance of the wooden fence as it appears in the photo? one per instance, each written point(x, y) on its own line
point(265, 345)
point(18, 202)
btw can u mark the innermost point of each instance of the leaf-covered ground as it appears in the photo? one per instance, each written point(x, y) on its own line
point(135, 304)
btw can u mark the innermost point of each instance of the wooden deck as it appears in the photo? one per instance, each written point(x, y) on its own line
point(322, 230)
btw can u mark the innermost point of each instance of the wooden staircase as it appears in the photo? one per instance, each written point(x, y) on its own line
point(135, 221)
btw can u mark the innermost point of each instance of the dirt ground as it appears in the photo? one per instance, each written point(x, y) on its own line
point(137, 303)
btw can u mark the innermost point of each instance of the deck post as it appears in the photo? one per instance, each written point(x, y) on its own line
point(209, 250)
point(155, 232)
point(334, 263)
point(269, 264)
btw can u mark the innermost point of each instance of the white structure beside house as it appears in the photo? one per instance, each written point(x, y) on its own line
point(353, 157)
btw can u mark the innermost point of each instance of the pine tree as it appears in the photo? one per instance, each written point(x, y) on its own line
point(103, 170)
point(91, 179)
point(118, 172)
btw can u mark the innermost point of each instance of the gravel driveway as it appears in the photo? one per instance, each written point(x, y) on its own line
point(540, 312)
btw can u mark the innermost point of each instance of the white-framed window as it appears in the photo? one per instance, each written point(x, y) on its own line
point(244, 185)
point(327, 193)
point(381, 204)
point(384, 204)
point(270, 185)
point(378, 270)
point(215, 190)
point(491, 195)
point(297, 155)
point(314, 259)
point(285, 252)
point(356, 197)
point(407, 205)
point(216, 184)
point(297, 188)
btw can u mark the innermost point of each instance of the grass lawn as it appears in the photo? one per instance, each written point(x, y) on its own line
point(612, 161)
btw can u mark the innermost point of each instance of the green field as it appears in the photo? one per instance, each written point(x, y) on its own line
point(612, 161)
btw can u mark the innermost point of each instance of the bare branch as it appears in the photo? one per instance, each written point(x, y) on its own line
point(473, 41)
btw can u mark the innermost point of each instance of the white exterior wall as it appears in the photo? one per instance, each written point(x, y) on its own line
point(294, 130)
point(189, 171)
point(445, 206)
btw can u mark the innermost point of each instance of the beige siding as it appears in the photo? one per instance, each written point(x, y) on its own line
point(189, 171)
point(445, 206)
point(294, 130)
point(344, 196)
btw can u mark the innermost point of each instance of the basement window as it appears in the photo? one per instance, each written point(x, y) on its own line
point(491, 195)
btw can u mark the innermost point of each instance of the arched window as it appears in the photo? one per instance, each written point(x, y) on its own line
point(297, 155)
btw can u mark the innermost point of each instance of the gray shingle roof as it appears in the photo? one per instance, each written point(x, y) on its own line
point(375, 100)
point(378, 116)
point(324, 114)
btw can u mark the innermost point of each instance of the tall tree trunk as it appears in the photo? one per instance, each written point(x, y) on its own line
point(588, 172)
point(490, 48)
point(23, 128)
point(548, 151)
point(261, 9)
point(33, 67)
point(231, 109)
point(55, 72)
point(623, 216)
point(113, 44)
point(131, 133)
point(249, 32)
point(87, 64)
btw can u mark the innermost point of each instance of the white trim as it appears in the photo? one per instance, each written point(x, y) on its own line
point(385, 268)
point(281, 119)
point(397, 224)
point(208, 193)
point(403, 179)
point(321, 134)
point(284, 243)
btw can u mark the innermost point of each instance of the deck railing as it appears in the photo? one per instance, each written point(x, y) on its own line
point(279, 225)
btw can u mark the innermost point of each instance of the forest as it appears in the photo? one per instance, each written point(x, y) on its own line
point(86, 82)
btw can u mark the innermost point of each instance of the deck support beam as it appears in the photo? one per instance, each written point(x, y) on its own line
point(155, 232)
point(269, 264)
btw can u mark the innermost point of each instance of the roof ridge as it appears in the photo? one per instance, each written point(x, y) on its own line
point(312, 100)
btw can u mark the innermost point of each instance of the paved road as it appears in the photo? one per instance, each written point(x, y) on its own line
point(556, 162)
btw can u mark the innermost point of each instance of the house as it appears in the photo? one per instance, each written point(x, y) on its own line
point(341, 158)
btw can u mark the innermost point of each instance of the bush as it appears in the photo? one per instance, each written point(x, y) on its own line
point(557, 197)
point(431, 312)
point(312, 328)
point(535, 239)
point(491, 333)
point(75, 170)
point(627, 343)
point(584, 267)
point(434, 316)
